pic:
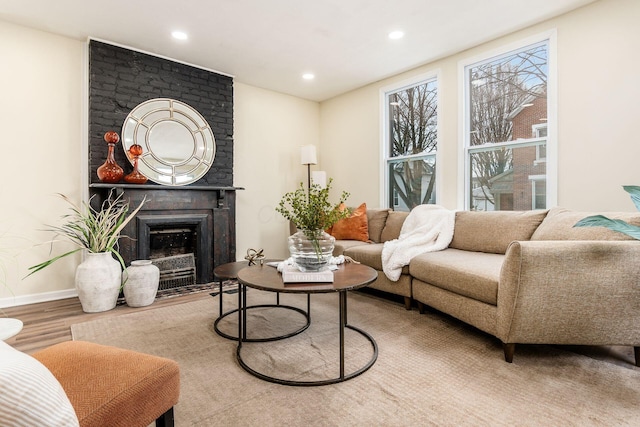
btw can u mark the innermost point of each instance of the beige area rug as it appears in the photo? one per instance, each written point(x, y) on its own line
point(431, 370)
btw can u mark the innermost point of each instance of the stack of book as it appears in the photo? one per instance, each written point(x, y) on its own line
point(291, 274)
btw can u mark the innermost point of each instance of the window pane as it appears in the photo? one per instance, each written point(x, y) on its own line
point(413, 120)
point(508, 179)
point(411, 145)
point(507, 102)
point(412, 183)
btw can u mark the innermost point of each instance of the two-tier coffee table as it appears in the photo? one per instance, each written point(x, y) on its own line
point(266, 278)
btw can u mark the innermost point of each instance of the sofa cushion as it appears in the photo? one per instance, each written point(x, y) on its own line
point(393, 226)
point(354, 227)
point(559, 225)
point(342, 245)
point(377, 218)
point(471, 274)
point(492, 232)
point(370, 255)
point(30, 395)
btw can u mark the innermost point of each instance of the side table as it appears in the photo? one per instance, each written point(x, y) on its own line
point(230, 271)
point(9, 327)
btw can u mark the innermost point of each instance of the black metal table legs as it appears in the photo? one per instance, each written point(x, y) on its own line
point(242, 332)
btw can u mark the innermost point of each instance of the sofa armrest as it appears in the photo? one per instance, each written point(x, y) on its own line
point(570, 292)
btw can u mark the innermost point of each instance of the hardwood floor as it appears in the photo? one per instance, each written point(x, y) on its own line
point(49, 323)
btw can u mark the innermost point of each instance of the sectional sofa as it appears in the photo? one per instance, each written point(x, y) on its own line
point(525, 277)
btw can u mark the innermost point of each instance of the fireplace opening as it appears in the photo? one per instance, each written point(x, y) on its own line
point(173, 249)
point(169, 241)
point(179, 244)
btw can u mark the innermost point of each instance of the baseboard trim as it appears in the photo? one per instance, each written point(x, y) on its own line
point(36, 298)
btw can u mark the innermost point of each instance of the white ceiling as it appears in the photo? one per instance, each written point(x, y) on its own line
point(271, 43)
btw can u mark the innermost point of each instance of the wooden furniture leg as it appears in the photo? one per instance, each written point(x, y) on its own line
point(509, 349)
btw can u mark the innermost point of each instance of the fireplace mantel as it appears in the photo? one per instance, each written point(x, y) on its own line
point(121, 187)
point(211, 208)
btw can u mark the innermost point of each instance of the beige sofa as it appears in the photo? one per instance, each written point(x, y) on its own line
point(524, 277)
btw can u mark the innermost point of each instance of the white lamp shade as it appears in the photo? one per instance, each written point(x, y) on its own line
point(319, 178)
point(308, 155)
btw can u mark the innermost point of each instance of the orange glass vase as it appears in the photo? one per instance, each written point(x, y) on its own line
point(135, 177)
point(110, 171)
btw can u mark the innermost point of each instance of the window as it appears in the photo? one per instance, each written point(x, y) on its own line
point(410, 139)
point(506, 122)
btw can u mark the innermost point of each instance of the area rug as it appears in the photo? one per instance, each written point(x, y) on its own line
point(431, 370)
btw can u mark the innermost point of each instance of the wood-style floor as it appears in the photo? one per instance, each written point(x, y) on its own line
point(49, 323)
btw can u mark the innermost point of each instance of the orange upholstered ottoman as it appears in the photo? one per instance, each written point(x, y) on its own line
point(109, 386)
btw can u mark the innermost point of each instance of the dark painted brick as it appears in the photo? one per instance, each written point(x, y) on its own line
point(120, 79)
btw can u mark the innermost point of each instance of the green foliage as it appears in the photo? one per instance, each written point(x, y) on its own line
point(94, 230)
point(616, 224)
point(312, 211)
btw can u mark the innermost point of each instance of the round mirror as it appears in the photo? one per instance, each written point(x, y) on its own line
point(177, 143)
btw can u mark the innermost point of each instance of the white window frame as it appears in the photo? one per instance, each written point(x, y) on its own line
point(384, 133)
point(464, 184)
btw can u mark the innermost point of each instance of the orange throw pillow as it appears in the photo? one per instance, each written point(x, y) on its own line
point(355, 227)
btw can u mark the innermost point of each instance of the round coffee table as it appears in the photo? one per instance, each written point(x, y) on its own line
point(266, 278)
point(230, 271)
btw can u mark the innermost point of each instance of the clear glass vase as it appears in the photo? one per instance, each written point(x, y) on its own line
point(311, 250)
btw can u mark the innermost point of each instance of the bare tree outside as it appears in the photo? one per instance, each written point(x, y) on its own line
point(413, 117)
point(497, 90)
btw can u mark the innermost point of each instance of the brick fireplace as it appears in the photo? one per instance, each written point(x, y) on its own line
point(201, 219)
point(198, 218)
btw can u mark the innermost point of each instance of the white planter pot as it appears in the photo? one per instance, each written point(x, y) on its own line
point(98, 280)
point(141, 286)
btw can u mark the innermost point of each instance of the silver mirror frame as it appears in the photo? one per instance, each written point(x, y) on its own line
point(178, 146)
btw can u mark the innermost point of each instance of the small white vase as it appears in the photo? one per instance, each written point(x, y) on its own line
point(141, 285)
point(98, 280)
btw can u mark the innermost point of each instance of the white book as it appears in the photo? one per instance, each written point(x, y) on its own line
point(291, 274)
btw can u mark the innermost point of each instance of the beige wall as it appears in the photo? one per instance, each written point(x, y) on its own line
point(269, 130)
point(598, 89)
point(41, 84)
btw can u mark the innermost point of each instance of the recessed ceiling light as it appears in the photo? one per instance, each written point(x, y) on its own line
point(395, 35)
point(179, 35)
point(308, 76)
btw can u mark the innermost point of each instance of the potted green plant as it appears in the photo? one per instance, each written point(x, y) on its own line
point(616, 224)
point(311, 247)
point(99, 277)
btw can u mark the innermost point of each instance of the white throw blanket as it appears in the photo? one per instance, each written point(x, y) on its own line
point(428, 228)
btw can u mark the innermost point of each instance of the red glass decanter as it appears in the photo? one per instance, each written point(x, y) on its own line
point(135, 177)
point(110, 171)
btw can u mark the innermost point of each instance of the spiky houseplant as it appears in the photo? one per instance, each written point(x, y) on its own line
point(94, 230)
point(311, 211)
point(616, 224)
